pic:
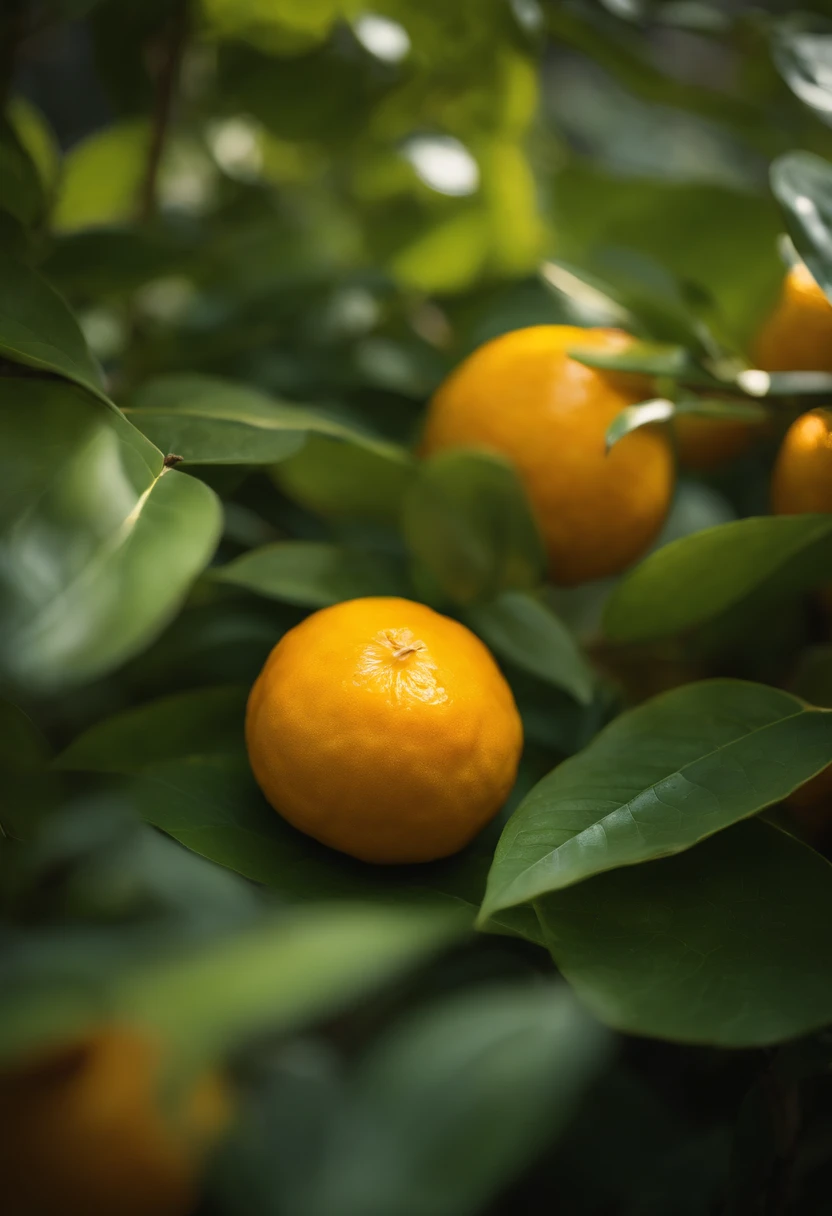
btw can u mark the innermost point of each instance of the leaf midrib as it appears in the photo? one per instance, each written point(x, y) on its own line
point(541, 861)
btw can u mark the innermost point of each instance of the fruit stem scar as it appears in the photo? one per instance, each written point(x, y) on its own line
point(406, 650)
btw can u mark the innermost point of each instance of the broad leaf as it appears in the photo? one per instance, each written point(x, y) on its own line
point(802, 184)
point(524, 630)
point(468, 524)
point(656, 781)
point(195, 723)
point(643, 359)
point(206, 420)
point(333, 478)
point(632, 417)
point(725, 944)
point(697, 578)
point(661, 410)
point(37, 328)
point(315, 573)
point(102, 177)
point(451, 1104)
point(99, 541)
point(802, 50)
point(275, 977)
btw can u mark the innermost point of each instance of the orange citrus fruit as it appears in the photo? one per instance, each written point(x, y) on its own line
point(384, 730)
point(523, 396)
point(84, 1131)
point(802, 479)
point(798, 334)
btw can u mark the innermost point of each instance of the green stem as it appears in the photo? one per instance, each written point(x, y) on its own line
point(167, 80)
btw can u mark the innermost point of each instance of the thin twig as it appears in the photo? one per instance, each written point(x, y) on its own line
point(167, 79)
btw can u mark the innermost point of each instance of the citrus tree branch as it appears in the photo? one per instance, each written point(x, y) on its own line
point(167, 78)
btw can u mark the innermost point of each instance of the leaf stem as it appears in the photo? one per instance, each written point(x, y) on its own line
point(167, 78)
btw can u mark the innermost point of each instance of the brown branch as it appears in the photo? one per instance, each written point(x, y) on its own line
point(167, 78)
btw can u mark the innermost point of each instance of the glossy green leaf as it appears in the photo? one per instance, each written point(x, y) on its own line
point(38, 329)
point(700, 577)
point(724, 944)
point(202, 722)
point(451, 1104)
point(656, 781)
point(524, 630)
point(802, 184)
point(206, 420)
point(633, 417)
point(797, 384)
point(314, 573)
point(643, 359)
point(647, 413)
point(99, 541)
point(275, 977)
point(468, 523)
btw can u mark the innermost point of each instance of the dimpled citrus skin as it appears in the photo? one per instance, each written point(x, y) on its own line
point(522, 396)
point(84, 1132)
point(798, 334)
point(802, 479)
point(384, 730)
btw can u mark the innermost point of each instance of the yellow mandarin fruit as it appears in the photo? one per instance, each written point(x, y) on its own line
point(798, 334)
point(802, 479)
point(384, 730)
point(523, 396)
point(84, 1132)
point(703, 443)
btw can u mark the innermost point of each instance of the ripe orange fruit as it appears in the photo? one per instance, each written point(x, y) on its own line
point(703, 443)
point(384, 730)
point(802, 479)
point(84, 1132)
point(798, 334)
point(523, 396)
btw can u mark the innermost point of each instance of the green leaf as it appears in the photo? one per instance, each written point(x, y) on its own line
point(211, 804)
point(802, 184)
point(468, 523)
point(314, 573)
point(700, 577)
point(802, 50)
point(99, 541)
point(723, 944)
point(524, 630)
point(661, 410)
point(632, 417)
point(38, 329)
point(102, 176)
point(644, 359)
point(38, 139)
point(794, 384)
point(277, 25)
point(333, 478)
point(206, 420)
point(456, 1100)
point(204, 722)
point(656, 781)
point(20, 188)
point(275, 977)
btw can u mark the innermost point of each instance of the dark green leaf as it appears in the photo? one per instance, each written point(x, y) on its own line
point(37, 328)
point(723, 944)
point(662, 410)
point(314, 573)
point(205, 722)
point(333, 478)
point(210, 421)
point(795, 384)
point(451, 1104)
point(468, 523)
point(697, 578)
point(524, 630)
point(656, 781)
point(802, 184)
point(643, 359)
point(98, 540)
point(20, 189)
